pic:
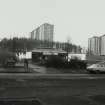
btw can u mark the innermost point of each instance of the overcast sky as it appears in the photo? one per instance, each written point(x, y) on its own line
point(76, 19)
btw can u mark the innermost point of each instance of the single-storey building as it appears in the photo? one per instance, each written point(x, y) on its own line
point(39, 54)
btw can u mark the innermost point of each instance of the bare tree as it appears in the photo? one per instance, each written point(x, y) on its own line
point(68, 45)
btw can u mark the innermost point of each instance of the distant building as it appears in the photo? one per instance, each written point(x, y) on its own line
point(77, 56)
point(102, 44)
point(43, 33)
point(94, 45)
point(84, 50)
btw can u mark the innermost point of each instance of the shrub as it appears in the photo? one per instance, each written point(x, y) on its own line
point(59, 62)
point(54, 61)
point(5, 55)
point(78, 64)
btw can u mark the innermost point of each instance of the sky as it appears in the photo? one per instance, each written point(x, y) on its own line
point(77, 20)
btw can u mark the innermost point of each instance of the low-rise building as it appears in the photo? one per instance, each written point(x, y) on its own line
point(43, 53)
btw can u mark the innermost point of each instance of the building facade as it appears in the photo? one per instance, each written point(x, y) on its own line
point(102, 43)
point(43, 33)
point(94, 46)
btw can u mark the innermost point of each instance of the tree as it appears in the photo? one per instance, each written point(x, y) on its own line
point(68, 46)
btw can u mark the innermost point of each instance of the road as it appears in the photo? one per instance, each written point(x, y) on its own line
point(50, 76)
point(54, 89)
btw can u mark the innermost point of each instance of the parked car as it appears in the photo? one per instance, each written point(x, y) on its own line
point(97, 68)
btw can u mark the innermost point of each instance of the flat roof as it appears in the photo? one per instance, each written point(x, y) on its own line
point(49, 50)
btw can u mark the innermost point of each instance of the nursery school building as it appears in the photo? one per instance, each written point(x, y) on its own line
point(39, 54)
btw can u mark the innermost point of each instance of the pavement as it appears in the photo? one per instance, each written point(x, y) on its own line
point(36, 71)
point(19, 68)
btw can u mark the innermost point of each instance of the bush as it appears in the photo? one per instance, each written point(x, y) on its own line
point(78, 64)
point(54, 61)
point(5, 55)
point(59, 62)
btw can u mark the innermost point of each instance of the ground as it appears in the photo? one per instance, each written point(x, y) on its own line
point(34, 68)
point(55, 89)
point(51, 88)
